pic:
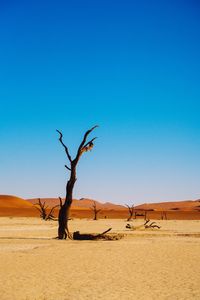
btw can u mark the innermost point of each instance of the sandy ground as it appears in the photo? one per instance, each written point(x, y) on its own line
point(146, 264)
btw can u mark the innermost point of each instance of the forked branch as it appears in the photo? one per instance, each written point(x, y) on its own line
point(131, 210)
point(84, 145)
point(50, 216)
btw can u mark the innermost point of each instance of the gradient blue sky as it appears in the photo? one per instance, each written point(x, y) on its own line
point(132, 67)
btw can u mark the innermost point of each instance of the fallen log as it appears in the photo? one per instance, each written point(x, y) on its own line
point(146, 225)
point(93, 237)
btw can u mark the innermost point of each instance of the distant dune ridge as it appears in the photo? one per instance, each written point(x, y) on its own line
point(15, 206)
point(187, 205)
point(13, 202)
point(82, 203)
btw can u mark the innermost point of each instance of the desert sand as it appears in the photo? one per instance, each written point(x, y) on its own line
point(145, 264)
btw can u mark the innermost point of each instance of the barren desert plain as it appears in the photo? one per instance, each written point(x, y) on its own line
point(145, 264)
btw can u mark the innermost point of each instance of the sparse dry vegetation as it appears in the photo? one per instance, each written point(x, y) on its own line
point(95, 210)
point(146, 225)
point(44, 214)
point(131, 211)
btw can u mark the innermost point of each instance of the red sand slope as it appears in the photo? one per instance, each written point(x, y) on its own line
point(76, 204)
point(183, 210)
point(168, 206)
point(13, 202)
point(15, 206)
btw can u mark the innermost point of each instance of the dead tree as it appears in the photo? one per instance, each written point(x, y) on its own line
point(151, 225)
point(42, 209)
point(146, 225)
point(95, 210)
point(44, 215)
point(85, 236)
point(63, 216)
point(131, 210)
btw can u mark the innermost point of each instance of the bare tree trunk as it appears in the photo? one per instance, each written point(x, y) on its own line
point(63, 231)
point(95, 210)
point(63, 217)
point(131, 210)
point(62, 223)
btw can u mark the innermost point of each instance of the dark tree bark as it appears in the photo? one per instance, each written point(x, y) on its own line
point(95, 210)
point(78, 236)
point(131, 210)
point(64, 211)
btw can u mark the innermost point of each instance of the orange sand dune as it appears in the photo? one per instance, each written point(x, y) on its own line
point(82, 203)
point(13, 202)
point(184, 210)
point(188, 205)
point(15, 206)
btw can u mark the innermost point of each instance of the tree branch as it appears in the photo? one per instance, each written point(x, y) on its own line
point(50, 216)
point(66, 149)
point(68, 168)
point(83, 144)
point(90, 142)
point(61, 204)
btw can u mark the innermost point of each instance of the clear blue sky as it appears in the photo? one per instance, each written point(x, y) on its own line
point(132, 67)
